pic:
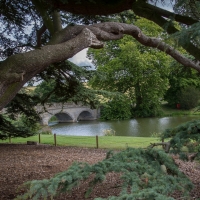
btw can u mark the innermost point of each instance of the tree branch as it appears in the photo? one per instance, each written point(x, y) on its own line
point(39, 35)
point(166, 145)
point(151, 13)
point(56, 21)
point(41, 8)
point(139, 6)
point(19, 68)
point(114, 31)
point(33, 62)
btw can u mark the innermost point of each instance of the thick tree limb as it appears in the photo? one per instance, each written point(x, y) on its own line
point(114, 31)
point(18, 69)
point(102, 7)
point(97, 7)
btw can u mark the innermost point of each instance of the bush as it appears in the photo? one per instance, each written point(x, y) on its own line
point(189, 97)
point(108, 132)
point(116, 109)
point(149, 109)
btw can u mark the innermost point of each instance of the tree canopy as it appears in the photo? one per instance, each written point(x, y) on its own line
point(137, 71)
point(38, 34)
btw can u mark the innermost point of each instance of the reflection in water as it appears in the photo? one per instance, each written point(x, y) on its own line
point(142, 127)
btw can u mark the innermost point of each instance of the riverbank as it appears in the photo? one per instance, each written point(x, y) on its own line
point(105, 142)
point(168, 111)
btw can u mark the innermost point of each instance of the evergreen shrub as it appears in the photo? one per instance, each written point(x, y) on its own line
point(144, 173)
point(185, 135)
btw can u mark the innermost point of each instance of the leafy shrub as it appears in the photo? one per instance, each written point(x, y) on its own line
point(155, 134)
point(149, 109)
point(53, 119)
point(108, 132)
point(189, 97)
point(116, 109)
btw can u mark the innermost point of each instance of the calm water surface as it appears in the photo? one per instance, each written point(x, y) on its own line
point(142, 127)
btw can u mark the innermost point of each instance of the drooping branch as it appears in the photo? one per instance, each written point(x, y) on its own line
point(114, 31)
point(159, 44)
point(18, 69)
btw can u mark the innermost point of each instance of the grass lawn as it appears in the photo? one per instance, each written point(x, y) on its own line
point(108, 142)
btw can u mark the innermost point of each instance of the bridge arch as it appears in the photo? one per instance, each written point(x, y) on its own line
point(85, 115)
point(64, 117)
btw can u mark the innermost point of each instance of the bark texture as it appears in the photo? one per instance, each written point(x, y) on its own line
point(18, 69)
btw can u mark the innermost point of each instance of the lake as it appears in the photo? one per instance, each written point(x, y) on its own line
point(140, 127)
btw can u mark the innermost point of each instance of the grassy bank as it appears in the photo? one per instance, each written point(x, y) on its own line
point(109, 142)
point(167, 111)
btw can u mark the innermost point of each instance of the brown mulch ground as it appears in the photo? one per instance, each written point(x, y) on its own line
point(20, 163)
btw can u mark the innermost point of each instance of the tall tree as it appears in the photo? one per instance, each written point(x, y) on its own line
point(34, 34)
point(134, 70)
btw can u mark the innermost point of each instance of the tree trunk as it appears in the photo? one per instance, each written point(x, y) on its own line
point(138, 95)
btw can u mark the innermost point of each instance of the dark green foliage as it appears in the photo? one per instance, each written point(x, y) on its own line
point(68, 83)
point(116, 109)
point(23, 128)
point(180, 78)
point(189, 97)
point(141, 172)
point(147, 109)
point(184, 135)
point(21, 118)
point(138, 72)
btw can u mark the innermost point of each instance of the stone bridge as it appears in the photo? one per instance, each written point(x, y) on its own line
point(68, 112)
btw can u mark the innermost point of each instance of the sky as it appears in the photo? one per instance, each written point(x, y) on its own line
point(80, 59)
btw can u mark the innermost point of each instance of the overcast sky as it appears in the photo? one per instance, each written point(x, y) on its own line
point(80, 59)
